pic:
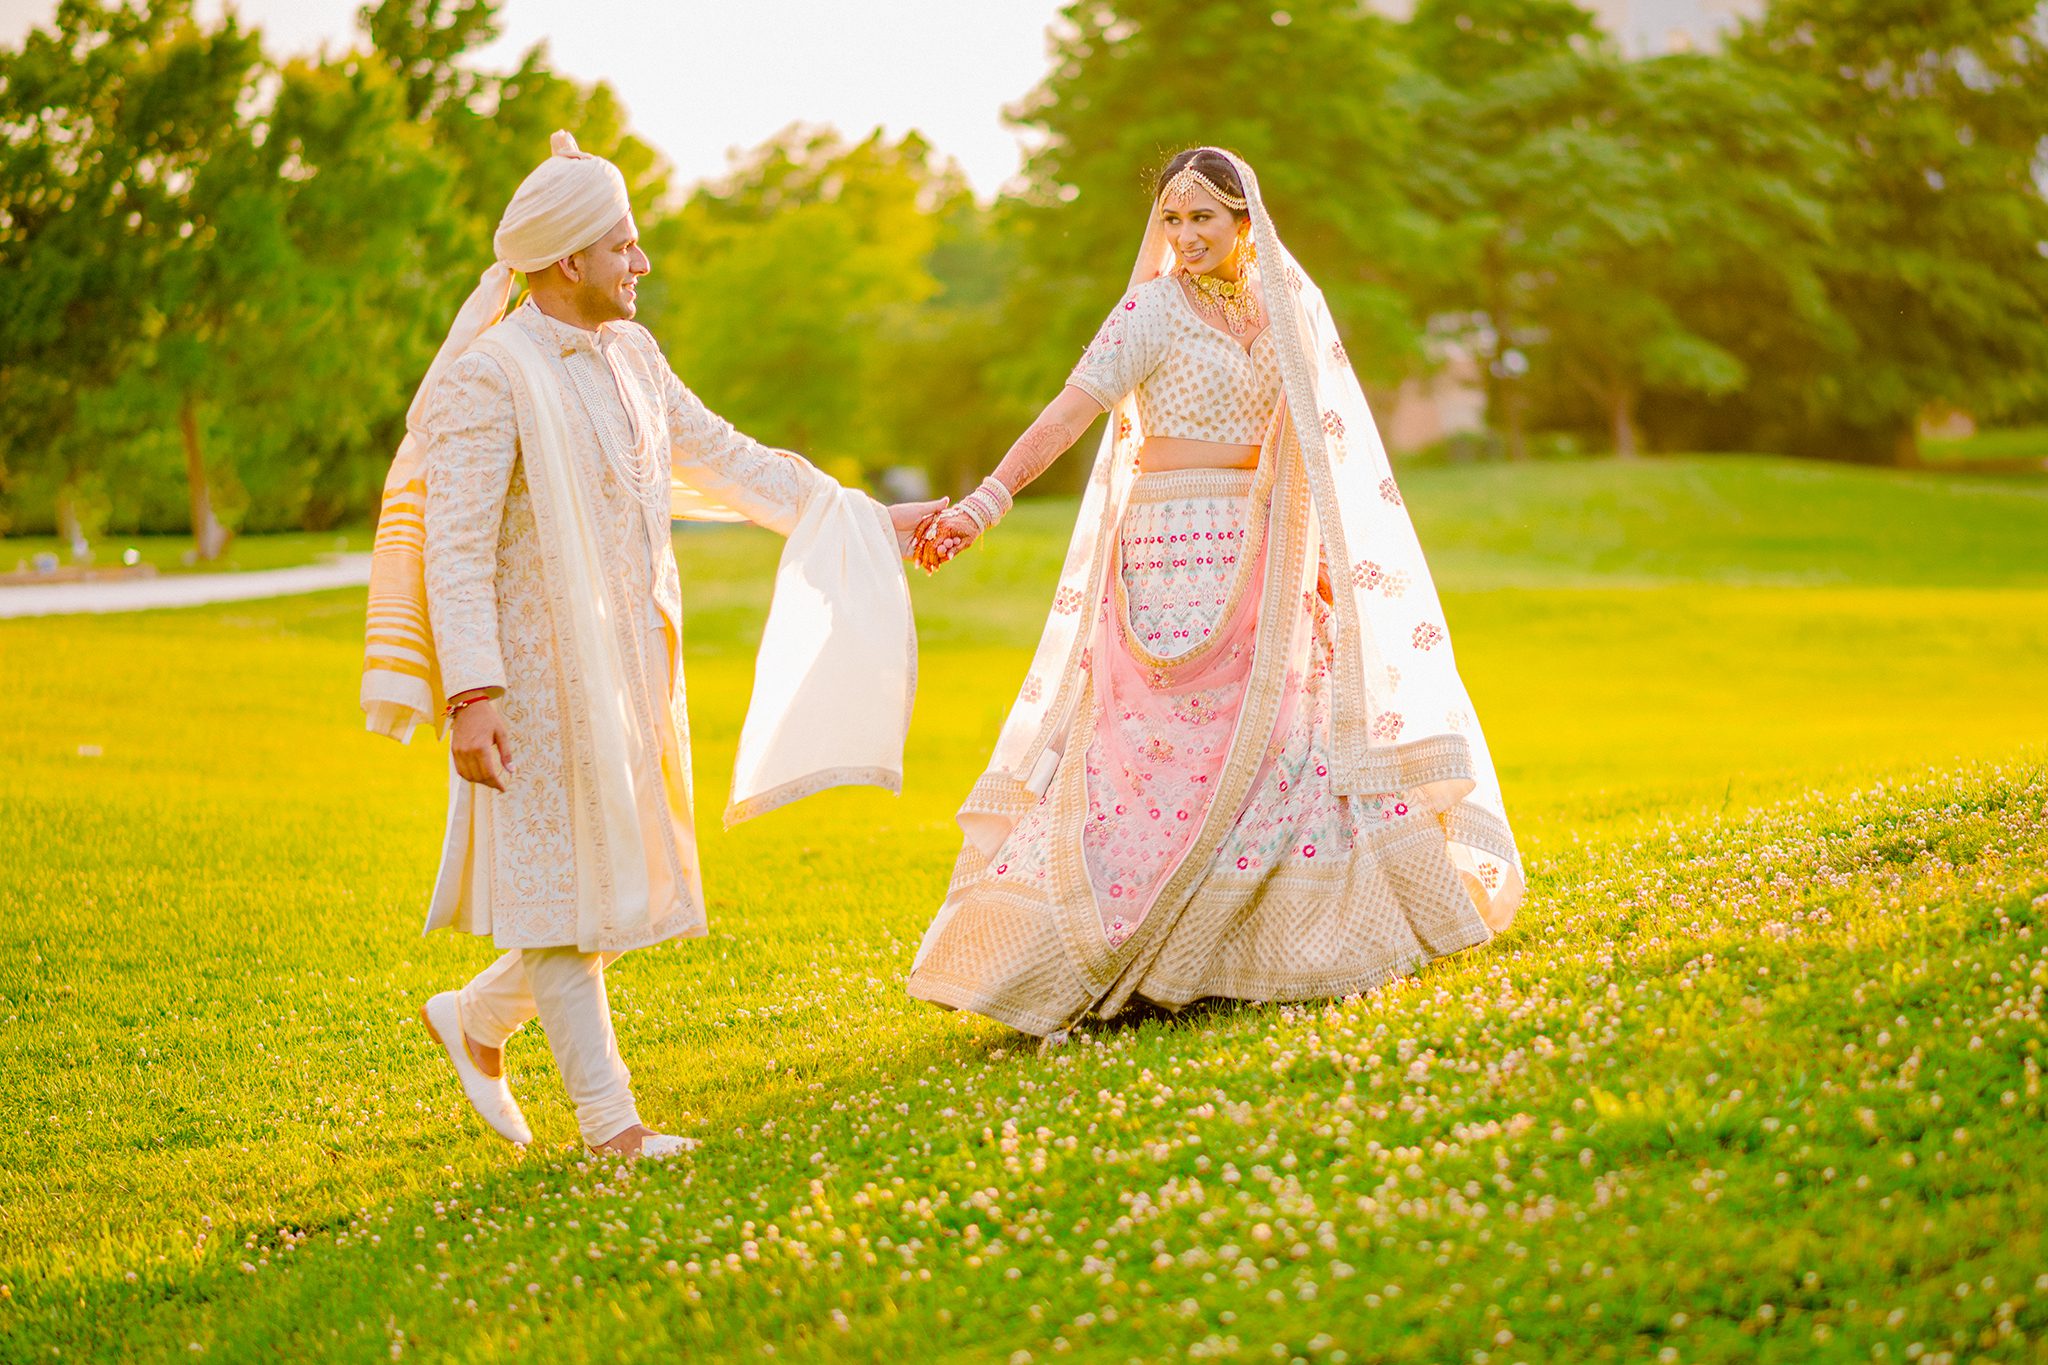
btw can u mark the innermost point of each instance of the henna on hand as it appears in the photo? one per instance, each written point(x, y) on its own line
point(1044, 441)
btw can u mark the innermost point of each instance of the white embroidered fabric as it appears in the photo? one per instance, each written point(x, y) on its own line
point(488, 592)
point(1180, 557)
point(1192, 380)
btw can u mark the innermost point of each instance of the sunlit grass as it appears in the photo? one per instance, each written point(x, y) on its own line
point(173, 554)
point(1755, 1076)
point(1998, 443)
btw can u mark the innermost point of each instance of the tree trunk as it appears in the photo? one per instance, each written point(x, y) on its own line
point(69, 528)
point(1906, 446)
point(1517, 425)
point(1621, 411)
point(209, 537)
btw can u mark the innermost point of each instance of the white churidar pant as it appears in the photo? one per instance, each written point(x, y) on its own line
point(565, 989)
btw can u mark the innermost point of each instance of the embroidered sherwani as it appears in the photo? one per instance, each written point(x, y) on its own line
point(512, 866)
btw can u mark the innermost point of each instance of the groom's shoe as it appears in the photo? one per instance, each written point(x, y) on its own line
point(488, 1095)
point(653, 1145)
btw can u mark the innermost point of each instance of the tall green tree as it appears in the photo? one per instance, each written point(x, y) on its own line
point(1497, 83)
point(1938, 114)
point(114, 118)
point(330, 342)
point(218, 267)
point(786, 293)
point(1701, 183)
point(1595, 208)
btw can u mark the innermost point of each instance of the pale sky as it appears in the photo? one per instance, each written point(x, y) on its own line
point(701, 78)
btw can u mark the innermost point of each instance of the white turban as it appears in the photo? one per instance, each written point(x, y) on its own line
point(569, 202)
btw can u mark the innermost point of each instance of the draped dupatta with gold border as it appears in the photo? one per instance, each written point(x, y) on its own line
point(1400, 717)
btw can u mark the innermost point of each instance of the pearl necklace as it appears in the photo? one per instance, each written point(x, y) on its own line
point(636, 460)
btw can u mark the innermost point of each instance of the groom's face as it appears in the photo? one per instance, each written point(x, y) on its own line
point(606, 275)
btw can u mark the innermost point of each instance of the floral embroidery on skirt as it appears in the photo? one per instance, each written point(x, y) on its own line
point(1164, 729)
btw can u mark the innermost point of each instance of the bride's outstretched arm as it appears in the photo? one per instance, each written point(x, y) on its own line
point(1049, 436)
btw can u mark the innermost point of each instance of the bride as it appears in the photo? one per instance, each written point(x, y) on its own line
point(1242, 763)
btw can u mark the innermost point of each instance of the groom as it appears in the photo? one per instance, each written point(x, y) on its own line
point(525, 571)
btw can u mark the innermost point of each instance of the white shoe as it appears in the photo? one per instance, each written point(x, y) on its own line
point(488, 1095)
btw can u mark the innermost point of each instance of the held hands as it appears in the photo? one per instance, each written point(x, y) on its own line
point(481, 746)
point(947, 534)
point(943, 536)
point(909, 520)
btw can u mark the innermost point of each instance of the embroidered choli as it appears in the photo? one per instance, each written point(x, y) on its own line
point(489, 603)
point(1193, 380)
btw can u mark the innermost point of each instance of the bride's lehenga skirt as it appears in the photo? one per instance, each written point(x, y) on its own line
point(1308, 894)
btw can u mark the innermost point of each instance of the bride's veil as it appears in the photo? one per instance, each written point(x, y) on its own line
point(1401, 719)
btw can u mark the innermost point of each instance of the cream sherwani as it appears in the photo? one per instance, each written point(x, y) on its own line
point(523, 549)
point(510, 865)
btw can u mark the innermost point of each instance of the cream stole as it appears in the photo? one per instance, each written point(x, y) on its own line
point(612, 901)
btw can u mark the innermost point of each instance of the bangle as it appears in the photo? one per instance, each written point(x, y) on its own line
point(456, 706)
point(999, 495)
point(987, 504)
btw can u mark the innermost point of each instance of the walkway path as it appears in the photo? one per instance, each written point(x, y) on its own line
point(182, 590)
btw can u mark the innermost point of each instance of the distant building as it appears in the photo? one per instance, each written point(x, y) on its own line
point(1651, 28)
point(1646, 28)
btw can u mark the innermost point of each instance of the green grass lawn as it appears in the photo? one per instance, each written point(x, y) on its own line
point(2014, 444)
point(1755, 1076)
point(167, 553)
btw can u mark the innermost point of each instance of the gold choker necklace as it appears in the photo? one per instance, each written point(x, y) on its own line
point(1231, 302)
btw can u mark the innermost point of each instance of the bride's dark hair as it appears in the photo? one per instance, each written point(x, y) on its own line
point(1212, 164)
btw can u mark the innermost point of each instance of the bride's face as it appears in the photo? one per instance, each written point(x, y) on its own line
point(1201, 230)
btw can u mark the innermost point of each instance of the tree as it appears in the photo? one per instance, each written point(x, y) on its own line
point(787, 293)
point(113, 116)
point(1936, 209)
point(1599, 206)
point(1497, 82)
point(213, 262)
point(1700, 186)
point(333, 333)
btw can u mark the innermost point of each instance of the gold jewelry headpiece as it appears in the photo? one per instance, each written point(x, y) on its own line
point(1187, 180)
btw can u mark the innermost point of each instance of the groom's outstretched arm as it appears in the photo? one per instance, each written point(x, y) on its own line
point(767, 486)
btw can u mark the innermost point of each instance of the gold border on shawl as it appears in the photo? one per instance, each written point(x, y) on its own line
point(1477, 827)
point(1059, 714)
point(998, 794)
point(810, 785)
point(1350, 717)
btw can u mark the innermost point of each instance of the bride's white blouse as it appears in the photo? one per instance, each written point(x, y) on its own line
point(1193, 380)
